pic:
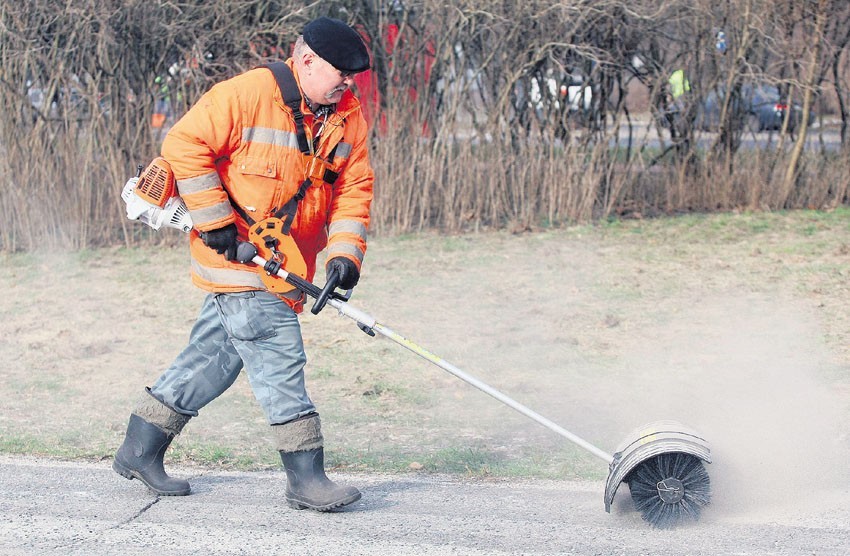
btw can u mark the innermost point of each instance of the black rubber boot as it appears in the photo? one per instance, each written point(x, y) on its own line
point(140, 457)
point(307, 486)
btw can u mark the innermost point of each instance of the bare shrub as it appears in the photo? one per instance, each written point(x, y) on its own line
point(498, 115)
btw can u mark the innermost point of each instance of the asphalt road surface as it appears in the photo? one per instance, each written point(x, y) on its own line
point(49, 507)
point(818, 140)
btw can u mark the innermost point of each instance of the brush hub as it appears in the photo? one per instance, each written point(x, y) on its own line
point(671, 490)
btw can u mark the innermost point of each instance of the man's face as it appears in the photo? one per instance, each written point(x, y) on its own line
point(323, 83)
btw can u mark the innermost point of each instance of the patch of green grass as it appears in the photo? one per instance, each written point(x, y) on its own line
point(17, 268)
point(446, 460)
point(758, 224)
point(137, 256)
point(216, 455)
point(47, 383)
point(88, 255)
point(452, 244)
point(319, 372)
point(407, 238)
point(839, 216)
point(17, 260)
point(373, 391)
point(472, 461)
point(68, 448)
point(725, 227)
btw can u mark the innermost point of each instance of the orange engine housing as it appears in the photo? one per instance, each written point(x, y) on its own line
point(156, 184)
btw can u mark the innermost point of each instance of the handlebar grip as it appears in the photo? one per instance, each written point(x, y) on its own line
point(245, 252)
point(322, 299)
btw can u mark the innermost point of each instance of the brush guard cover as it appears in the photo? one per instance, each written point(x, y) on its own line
point(280, 251)
point(658, 437)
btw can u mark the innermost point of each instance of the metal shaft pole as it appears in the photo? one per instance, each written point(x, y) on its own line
point(487, 389)
point(368, 321)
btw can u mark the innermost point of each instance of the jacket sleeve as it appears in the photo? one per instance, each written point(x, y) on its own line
point(210, 130)
point(349, 211)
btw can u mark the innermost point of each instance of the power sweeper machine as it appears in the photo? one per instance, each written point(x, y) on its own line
point(662, 462)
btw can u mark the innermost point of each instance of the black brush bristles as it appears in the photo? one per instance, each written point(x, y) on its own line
point(670, 489)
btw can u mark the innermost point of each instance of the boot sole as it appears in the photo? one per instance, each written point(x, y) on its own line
point(296, 504)
point(128, 473)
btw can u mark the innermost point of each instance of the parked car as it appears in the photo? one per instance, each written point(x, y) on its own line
point(762, 107)
point(579, 96)
point(66, 101)
point(557, 95)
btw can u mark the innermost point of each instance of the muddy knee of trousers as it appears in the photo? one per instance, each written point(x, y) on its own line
point(299, 435)
point(157, 413)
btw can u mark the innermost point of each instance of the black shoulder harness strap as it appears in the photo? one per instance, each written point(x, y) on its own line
point(292, 98)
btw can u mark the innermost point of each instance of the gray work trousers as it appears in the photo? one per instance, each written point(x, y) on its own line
point(254, 330)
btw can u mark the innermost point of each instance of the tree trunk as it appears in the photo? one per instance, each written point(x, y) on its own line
point(817, 38)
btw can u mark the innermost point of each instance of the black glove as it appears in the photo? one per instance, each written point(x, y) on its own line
point(223, 240)
point(346, 270)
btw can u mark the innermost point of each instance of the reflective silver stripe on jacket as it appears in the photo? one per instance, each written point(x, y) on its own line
point(348, 226)
point(211, 214)
point(344, 248)
point(228, 276)
point(270, 136)
point(343, 150)
point(198, 184)
point(233, 277)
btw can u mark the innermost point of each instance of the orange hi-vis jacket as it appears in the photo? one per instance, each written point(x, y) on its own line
point(238, 144)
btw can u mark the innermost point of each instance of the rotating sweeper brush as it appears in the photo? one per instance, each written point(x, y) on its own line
point(662, 462)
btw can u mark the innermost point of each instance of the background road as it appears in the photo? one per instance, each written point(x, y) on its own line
point(826, 139)
point(50, 507)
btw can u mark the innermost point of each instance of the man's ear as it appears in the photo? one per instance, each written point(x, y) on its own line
point(307, 59)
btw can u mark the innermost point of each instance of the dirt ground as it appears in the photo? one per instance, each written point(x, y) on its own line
point(736, 325)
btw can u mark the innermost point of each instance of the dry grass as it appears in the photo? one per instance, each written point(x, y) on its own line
point(600, 328)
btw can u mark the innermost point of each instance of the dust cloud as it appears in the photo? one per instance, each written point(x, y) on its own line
point(750, 373)
point(752, 378)
point(748, 369)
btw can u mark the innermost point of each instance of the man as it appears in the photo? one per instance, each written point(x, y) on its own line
point(243, 159)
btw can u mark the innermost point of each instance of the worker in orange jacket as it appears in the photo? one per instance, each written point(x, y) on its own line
point(248, 159)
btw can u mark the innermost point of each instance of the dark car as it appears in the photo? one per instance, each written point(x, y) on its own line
point(762, 108)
